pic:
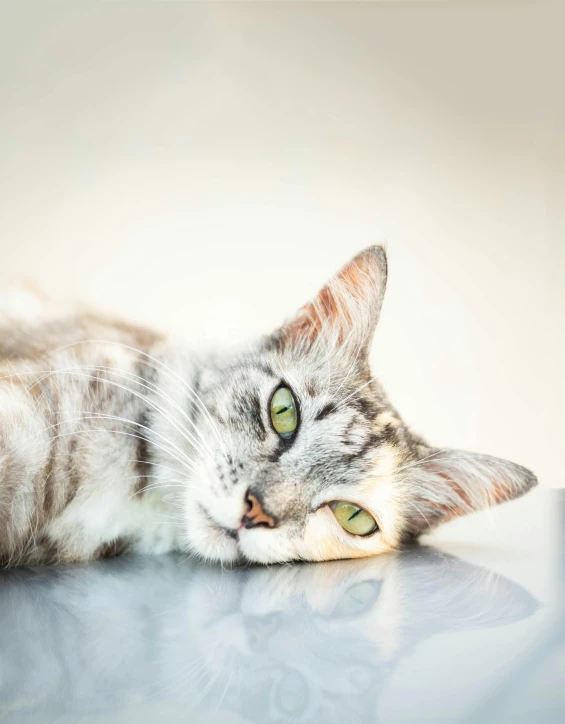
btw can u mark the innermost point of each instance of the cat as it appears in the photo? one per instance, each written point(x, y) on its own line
point(115, 439)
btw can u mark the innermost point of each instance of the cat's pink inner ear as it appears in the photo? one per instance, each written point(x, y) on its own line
point(348, 306)
point(462, 502)
point(462, 482)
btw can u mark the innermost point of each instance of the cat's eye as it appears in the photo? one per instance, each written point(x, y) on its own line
point(284, 414)
point(353, 519)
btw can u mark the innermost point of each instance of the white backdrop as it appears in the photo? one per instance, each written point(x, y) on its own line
point(205, 167)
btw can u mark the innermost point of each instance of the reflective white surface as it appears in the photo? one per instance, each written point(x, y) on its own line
point(422, 635)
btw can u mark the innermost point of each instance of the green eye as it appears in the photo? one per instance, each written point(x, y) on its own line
point(354, 519)
point(283, 413)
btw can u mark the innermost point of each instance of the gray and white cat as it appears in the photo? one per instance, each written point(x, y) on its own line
point(114, 438)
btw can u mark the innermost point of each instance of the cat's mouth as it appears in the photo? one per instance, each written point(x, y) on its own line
point(232, 533)
point(237, 545)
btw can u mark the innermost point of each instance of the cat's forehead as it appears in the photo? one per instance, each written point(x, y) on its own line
point(343, 418)
point(248, 384)
point(309, 378)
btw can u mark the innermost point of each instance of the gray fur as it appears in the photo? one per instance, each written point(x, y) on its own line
point(116, 439)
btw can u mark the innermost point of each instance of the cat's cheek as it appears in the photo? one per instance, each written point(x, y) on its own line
point(323, 540)
point(205, 539)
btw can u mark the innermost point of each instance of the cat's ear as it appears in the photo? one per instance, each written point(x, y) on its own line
point(345, 312)
point(446, 484)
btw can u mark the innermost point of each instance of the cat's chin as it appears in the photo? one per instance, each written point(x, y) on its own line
point(262, 545)
point(223, 551)
point(216, 544)
point(213, 543)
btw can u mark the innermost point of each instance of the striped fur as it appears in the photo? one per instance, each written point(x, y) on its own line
point(114, 439)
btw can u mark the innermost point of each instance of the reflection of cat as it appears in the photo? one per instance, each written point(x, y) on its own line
point(303, 643)
point(115, 439)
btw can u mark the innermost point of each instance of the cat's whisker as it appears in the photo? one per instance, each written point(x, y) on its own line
point(177, 519)
point(161, 365)
point(72, 371)
point(421, 461)
point(223, 696)
point(155, 388)
point(87, 415)
point(169, 517)
point(327, 363)
point(192, 392)
point(208, 686)
point(181, 677)
point(158, 465)
point(365, 384)
point(351, 368)
point(419, 511)
point(144, 476)
point(107, 431)
point(211, 420)
point(156, 486)
point(433, 455)
point(183, 481)
point(124, 373)
point(137, 462)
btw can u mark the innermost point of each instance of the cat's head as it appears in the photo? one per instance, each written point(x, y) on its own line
point(302, 455)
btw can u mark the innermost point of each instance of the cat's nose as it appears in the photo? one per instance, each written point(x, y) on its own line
point(255, 514)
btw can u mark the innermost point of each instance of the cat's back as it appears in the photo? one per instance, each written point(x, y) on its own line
point(76, 393)
point(32, 327)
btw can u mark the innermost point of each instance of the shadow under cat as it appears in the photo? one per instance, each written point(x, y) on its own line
point(301, 643)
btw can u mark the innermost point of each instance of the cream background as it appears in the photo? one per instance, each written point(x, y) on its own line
point(205, 167)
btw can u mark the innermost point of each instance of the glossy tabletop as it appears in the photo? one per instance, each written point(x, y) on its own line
point(466, 627)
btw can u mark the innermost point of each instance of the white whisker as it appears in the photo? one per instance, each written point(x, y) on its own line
point(72, 371)
point(158, 362)
point(365, 384)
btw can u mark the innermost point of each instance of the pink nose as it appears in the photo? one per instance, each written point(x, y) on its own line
point(255, 515)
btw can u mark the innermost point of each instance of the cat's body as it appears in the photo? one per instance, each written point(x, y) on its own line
point(73, 472)
point(114, 439)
